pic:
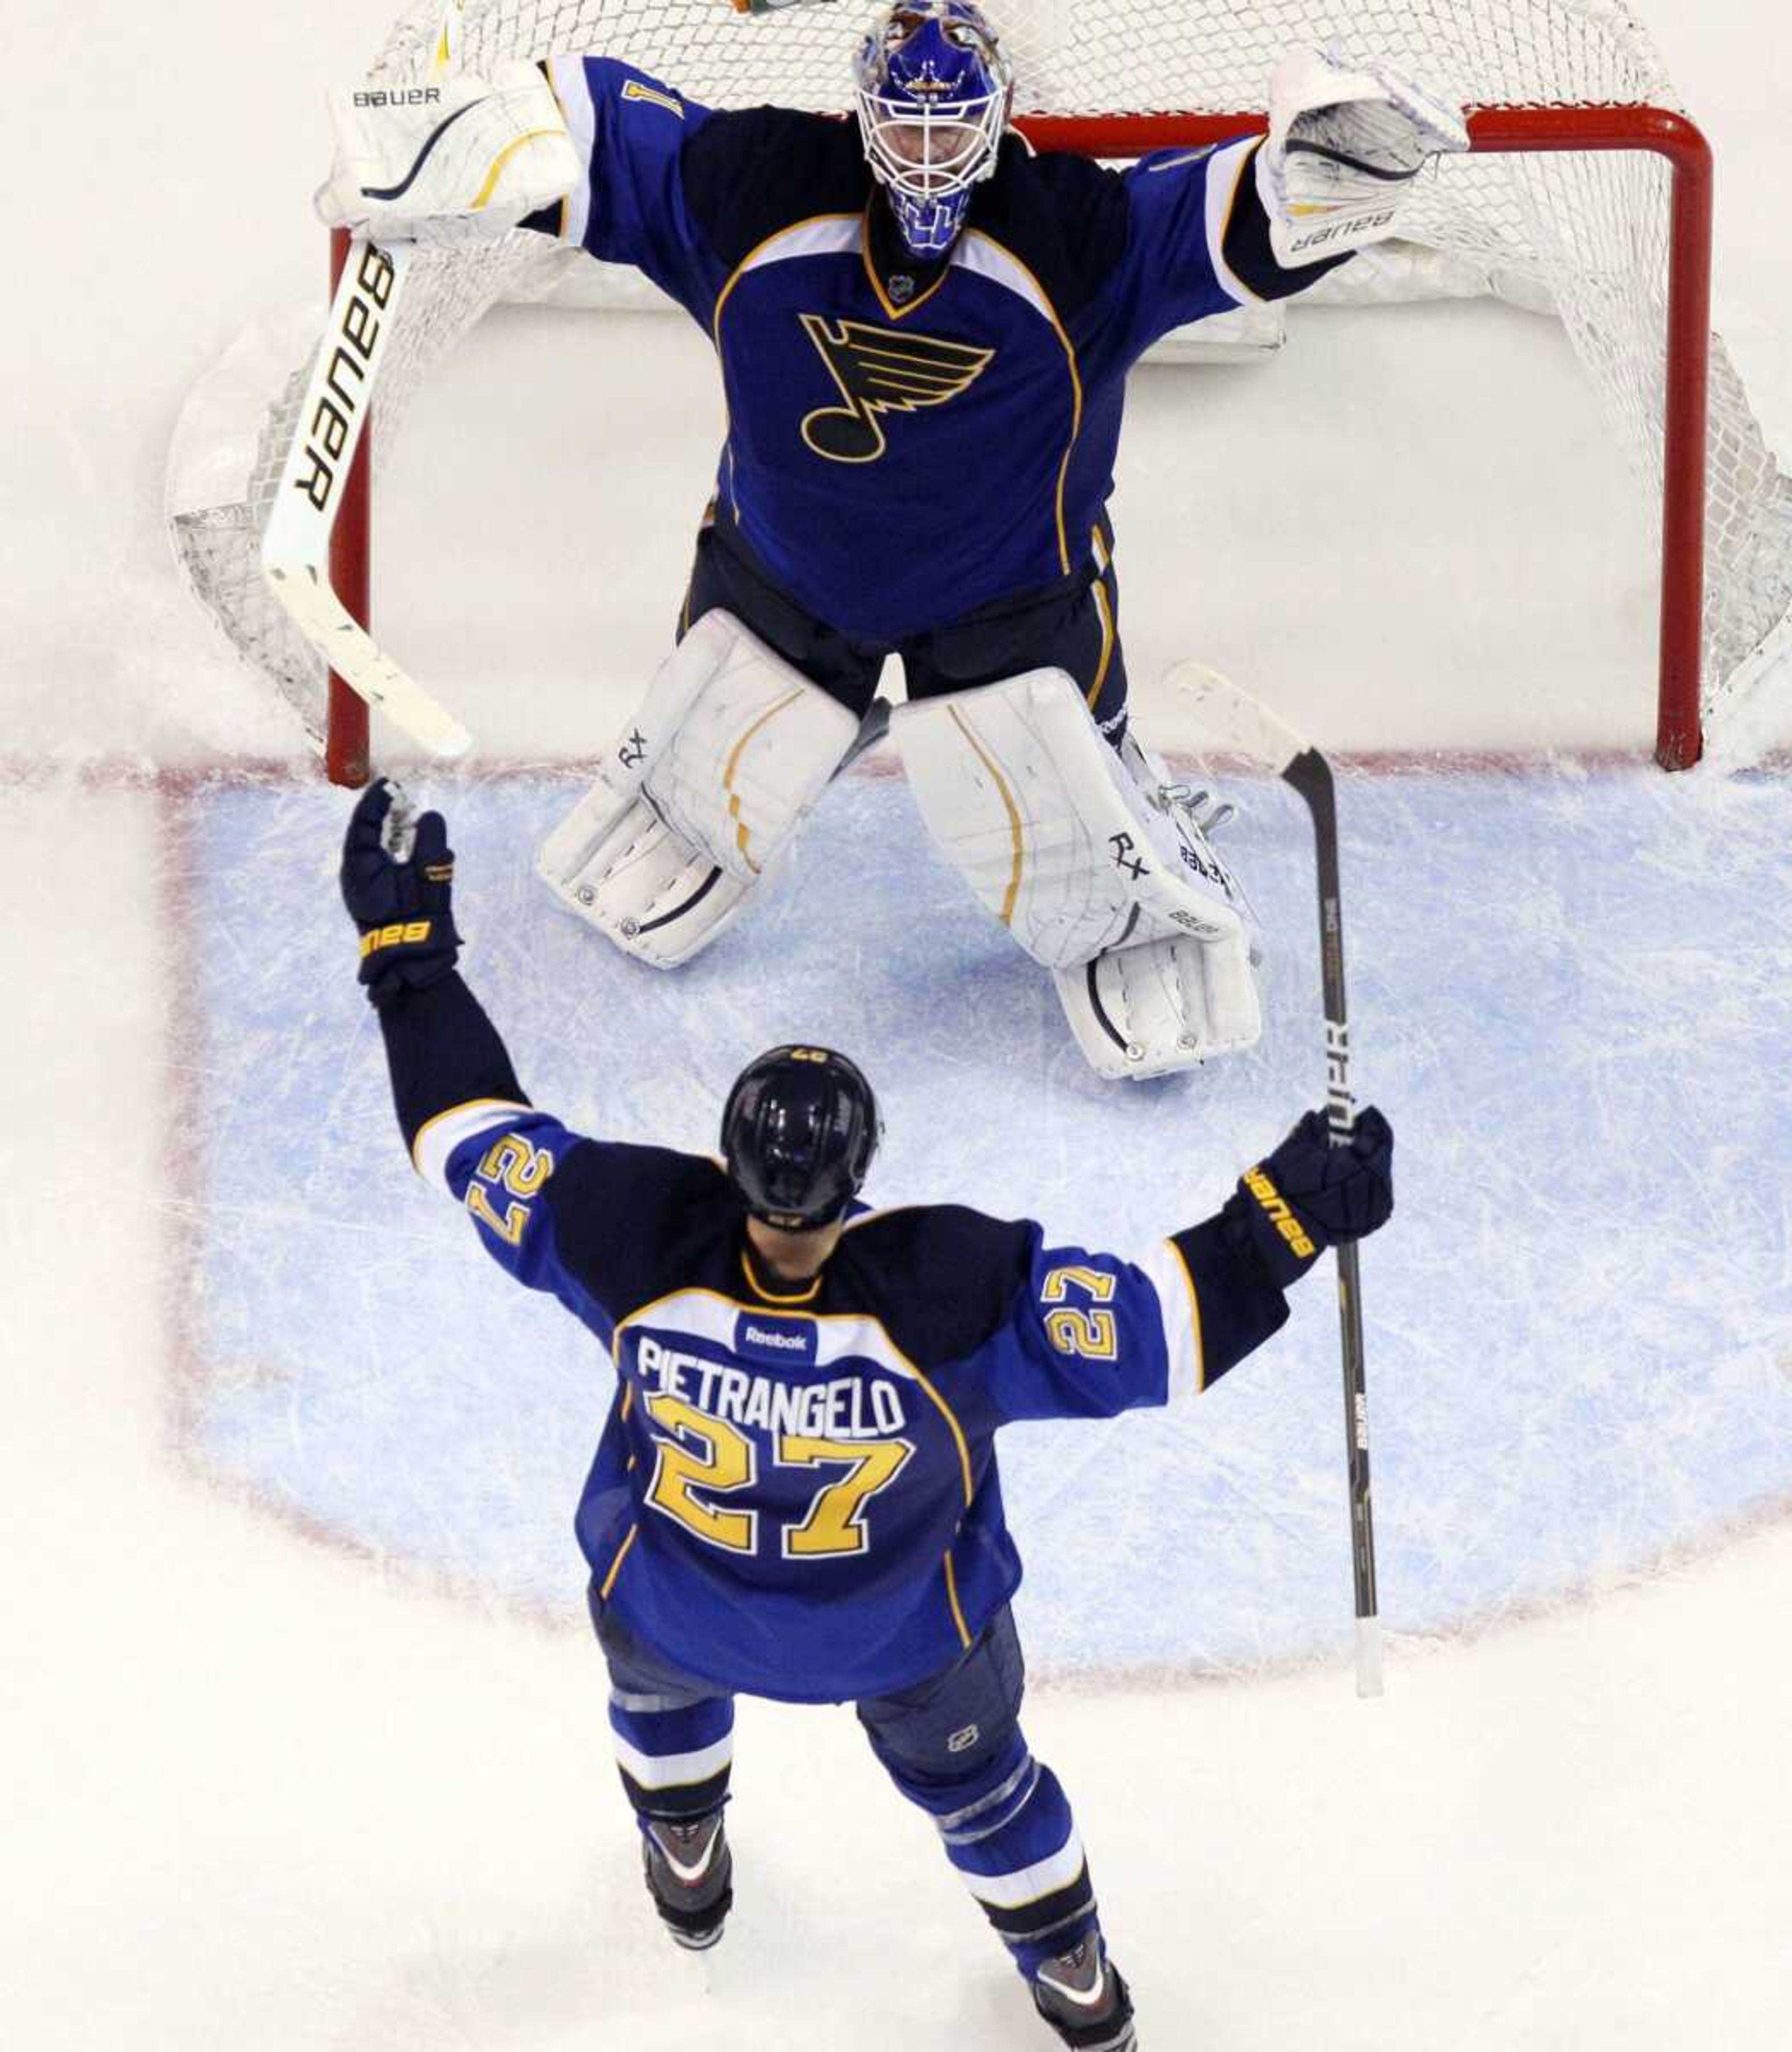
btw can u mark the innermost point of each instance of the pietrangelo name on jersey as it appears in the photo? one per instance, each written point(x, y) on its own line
point(853, 1407)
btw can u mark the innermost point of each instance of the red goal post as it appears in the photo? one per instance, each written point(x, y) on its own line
point(1492, 131)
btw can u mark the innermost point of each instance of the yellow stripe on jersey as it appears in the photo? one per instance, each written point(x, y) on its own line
point(616, 1565)
point(952, 1598)
point(775, 1296)
point(1076, 382)
point(752, 257)
point(1108, 637)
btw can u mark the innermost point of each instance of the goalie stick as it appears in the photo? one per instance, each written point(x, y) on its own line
point(1237, 720)
point(327, 432)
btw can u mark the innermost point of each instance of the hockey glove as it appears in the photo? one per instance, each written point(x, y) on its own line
point(1344, 146)
point(403, 906)
point(459, 160)
point(1308, 1194)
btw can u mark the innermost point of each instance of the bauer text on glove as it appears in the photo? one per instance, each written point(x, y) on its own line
point(1345, 144)
point(458, 159)
point(1308, 1195)
point(403, 908)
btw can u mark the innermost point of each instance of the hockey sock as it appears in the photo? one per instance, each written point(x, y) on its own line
point(674, 1761)
point(1008, 1830)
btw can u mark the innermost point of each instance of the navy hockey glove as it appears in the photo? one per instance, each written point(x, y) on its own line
point(403, 908)
point(1308, 1195)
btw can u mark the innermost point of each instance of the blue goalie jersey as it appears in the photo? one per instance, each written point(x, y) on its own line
point(968, 405)
point(796, 1492)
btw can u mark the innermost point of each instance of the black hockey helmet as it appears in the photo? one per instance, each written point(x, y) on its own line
point(798, 1133)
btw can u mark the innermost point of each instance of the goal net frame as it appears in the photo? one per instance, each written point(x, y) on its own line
point(1663, 132)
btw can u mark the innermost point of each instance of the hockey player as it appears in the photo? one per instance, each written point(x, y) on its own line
point(924, 331)
point(796, 1494)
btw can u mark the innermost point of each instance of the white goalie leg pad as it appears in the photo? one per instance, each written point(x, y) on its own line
point(1098, 867)
point(702, 793)
point(1042, 820)
point(1163, 1006)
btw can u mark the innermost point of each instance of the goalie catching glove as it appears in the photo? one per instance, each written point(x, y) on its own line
point(1344, 146)
point(402, 902)
point(459, 160)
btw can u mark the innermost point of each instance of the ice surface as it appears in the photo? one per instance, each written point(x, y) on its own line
point(1579, 1327)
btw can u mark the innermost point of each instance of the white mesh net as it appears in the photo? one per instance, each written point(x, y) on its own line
point(1584, 233)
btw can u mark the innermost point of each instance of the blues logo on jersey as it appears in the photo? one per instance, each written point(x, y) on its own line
point(880, 370)
point(992, 428)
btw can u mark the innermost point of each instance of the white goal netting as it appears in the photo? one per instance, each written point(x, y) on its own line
point(1583, 234)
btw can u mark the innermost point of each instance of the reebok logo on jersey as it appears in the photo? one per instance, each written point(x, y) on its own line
point(880, 370)
point(789, 1341)
point(1281, 1216)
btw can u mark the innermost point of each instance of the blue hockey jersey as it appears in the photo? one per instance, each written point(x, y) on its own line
point(797, 1494)
point(908, 442)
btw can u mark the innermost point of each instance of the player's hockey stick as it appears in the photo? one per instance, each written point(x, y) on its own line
point(1237, 720)
point(327, 432)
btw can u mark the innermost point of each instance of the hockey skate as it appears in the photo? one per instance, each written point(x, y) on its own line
point(1081, 1995)
point(690, 1872)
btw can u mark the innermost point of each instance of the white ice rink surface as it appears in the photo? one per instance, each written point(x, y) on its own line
point(288, 1765)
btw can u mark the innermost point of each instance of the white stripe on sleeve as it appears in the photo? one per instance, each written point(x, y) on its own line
point(1179, 1307)
point(437, 1140)
point(1225, 168)
point(573, 90)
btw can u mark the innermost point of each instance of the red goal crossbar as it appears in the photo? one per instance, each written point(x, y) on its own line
point(1678, 738)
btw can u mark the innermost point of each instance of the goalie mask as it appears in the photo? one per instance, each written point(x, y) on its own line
point(933, 93)
point(798, 1133)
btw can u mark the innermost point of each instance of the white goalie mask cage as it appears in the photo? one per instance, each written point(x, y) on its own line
point(926, 140)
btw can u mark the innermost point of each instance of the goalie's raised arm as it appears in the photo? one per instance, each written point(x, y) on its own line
point(1345, 143)
point(456, 157)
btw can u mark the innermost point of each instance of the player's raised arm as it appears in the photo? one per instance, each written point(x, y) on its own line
point(559, 1212)
point(1094, 1335)
point(628, 204)
point(462, 1113)
point(398, 881)
point(1265, 218)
